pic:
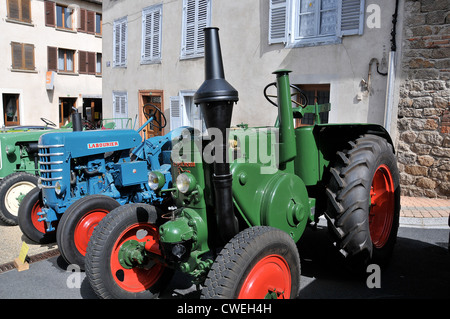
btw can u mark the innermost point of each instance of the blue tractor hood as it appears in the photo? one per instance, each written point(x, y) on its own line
point(85, 143)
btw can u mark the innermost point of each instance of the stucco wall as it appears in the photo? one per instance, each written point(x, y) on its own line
point(249, 61)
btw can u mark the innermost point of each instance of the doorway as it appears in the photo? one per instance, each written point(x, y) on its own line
point(11, 109)
point(65, 110)
point(92, 110)
point(148, 98)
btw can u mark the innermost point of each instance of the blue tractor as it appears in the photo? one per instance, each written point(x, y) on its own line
point(86, 174)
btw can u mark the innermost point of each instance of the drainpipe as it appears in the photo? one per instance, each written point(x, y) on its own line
point(389, 103)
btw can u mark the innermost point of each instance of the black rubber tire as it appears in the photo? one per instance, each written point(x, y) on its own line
point(240, 255)
point(100, 247)
point(349, 200)
point(65, 233)
point(8, 216)
point(34, 197)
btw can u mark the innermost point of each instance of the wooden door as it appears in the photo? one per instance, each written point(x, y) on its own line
point(146, 101)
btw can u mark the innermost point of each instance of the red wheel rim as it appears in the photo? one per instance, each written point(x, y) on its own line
point(382, 207)
point(85, 227)
point(38, 225)
point(137, 279)
point(270, 277)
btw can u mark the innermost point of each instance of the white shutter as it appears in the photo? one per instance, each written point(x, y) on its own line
point(175, 113)
point(120, 42)
point(196, 17)
point(277, 21)
point(351, 17)
point(151, 34)
point(120, 108)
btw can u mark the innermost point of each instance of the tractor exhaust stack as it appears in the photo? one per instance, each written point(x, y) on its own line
point(216, 98)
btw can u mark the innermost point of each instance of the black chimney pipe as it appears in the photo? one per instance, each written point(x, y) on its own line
point(216, 98)
point(76, 121)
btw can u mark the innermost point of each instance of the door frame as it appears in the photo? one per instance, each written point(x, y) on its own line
point(149, 93)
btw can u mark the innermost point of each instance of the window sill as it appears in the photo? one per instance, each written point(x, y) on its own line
point(30, 24)
point(65, 30)
point(67, 73)
point(24, 71)
point(146, 62)
point(193, 56)
point(300, 43)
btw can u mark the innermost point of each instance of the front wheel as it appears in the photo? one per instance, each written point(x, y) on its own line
point(258, 263)
point(117, 263)
point(77, 224)
point(29, 215)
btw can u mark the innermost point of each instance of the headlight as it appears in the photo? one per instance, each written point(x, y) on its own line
point(39, 183)
point(10, 149)
point(186, 183)
point(59, 188)
point(156, 180)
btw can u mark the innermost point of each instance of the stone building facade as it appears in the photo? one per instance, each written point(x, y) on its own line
point(424, 109)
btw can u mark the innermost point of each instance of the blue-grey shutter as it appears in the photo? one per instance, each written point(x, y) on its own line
point(277, 21)
point(151, 34)
point(352, 17)
point(175, 113)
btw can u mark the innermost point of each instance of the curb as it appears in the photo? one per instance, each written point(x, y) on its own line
point(430, 222)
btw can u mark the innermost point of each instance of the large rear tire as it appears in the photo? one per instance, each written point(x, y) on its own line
point(106, 273)
point(364, 200)
point(77, 224)
point(259, 262)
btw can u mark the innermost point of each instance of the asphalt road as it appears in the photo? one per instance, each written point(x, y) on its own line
point(420, 268)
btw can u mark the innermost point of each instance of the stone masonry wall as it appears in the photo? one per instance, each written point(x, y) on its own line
point(423, 147)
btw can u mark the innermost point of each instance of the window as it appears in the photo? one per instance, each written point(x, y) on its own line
point(314, 22)
point(87, 62)
point(63, 17)
point(90, 22)
point(183, 111)
point(120, 108)
point(66, 60)
point(19, 10)
point(196, 17)
point(315, 93)
point(22, 56)
point(11, 109)
point(120, 42)
point(151, 34)
point(98, 64)
point(98, 23)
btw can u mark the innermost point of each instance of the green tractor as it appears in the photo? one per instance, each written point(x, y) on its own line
point(244, 197)
point(19, 167)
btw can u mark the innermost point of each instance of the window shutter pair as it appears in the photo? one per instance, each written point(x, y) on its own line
point(19, 10)
point(120, 42)
point(151, 34)
point(350, 19)
point(86, 62)
point(196, 17)
point(87, 21)
point(22, 56)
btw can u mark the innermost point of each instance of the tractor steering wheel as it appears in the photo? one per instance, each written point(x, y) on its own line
point(297, 91)
point(48, 122)
point(153, 114)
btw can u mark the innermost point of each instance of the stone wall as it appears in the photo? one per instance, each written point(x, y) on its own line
point(423, 147)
